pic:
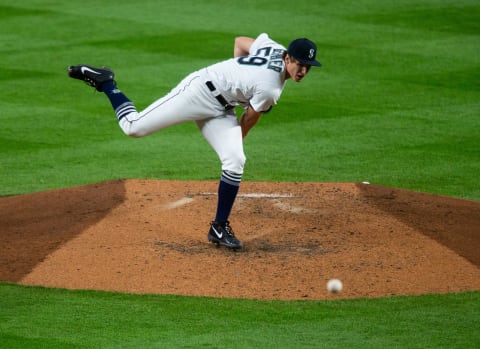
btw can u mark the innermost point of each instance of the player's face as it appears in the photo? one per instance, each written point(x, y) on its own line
point(295, 69)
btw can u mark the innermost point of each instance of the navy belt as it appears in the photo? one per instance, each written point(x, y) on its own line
point(218, 96)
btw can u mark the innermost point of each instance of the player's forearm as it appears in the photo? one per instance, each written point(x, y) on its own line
point(242, 46)
point(248, 120)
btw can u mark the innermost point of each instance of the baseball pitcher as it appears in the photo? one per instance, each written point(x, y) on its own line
point(254, 79)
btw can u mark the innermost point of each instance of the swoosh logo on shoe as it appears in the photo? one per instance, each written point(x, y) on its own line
point(219, 235)
point(84, 69)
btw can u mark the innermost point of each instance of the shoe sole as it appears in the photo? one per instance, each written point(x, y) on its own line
point(218, 243)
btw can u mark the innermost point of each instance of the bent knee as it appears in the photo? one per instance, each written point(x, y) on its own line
point(135, 133)
point(133, 129)
point(234, 163)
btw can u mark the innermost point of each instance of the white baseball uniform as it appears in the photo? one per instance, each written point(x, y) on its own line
point(208, 96)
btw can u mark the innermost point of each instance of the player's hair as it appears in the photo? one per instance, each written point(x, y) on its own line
point(293, 59)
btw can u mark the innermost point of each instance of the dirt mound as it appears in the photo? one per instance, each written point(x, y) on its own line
point(146, 236)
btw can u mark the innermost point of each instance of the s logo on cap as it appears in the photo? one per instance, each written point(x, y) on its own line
point(304, 51)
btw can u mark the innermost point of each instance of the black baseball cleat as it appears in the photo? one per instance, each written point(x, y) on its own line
point(94, 77)
point(221, 233)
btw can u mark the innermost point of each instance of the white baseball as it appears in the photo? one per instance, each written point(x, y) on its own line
point(334, 285)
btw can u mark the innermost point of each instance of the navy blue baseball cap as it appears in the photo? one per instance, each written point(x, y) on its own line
point(304, 51)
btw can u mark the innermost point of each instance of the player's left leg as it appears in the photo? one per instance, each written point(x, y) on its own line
point(224, 134)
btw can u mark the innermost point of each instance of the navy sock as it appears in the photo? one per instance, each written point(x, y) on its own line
point(120, 103)
point(227, 192)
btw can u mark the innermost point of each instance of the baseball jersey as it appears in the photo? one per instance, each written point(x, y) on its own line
point(256, 80)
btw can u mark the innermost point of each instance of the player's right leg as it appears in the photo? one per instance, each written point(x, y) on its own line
point(102, 79)
point(92, 76)
point(181, 104)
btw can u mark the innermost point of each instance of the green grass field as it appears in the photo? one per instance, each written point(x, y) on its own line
point(44, 318)
point(396, 103)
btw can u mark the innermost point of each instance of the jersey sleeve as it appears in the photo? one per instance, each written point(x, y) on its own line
point(261, 41)
point(264, 97)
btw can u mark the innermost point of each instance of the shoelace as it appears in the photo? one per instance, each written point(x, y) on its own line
point(90, 82)
point(229, 230)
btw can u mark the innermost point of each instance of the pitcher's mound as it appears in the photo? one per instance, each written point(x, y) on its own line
point(148, 236)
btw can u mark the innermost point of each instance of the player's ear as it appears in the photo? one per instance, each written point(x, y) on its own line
point(289, 59)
